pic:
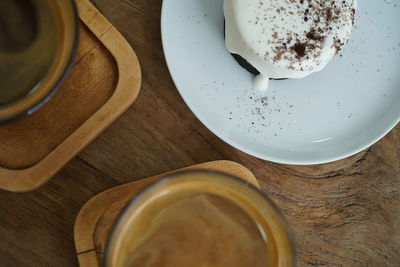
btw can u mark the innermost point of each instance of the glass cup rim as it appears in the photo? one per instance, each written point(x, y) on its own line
point(60, 80)
point(168, 177)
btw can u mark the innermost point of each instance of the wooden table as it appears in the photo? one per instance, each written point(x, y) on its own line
point(344, 213)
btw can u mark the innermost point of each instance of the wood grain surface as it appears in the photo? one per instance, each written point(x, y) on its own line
point(343, 214)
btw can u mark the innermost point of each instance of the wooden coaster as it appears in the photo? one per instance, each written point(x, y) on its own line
point(97, 216)
point(104, 82)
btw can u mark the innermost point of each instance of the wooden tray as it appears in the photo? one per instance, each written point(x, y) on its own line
point(96, 217)
point(104, 82)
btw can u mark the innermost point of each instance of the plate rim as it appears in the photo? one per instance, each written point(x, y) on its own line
point(263, 156)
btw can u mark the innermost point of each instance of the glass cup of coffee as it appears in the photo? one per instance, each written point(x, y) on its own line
point(38, 41)
point(200, 218)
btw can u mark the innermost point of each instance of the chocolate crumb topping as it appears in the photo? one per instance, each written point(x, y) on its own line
point(312, 35)
point(328, 14)
point(300, 49)
point(326, 24)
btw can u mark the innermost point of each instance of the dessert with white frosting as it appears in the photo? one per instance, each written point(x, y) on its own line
point(277, 39)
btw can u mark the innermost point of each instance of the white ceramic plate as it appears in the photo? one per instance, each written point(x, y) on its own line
point(327, 116)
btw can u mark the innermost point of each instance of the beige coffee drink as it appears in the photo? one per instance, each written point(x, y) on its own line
point(200, 219)
point(38, 39)
point(29, 36)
